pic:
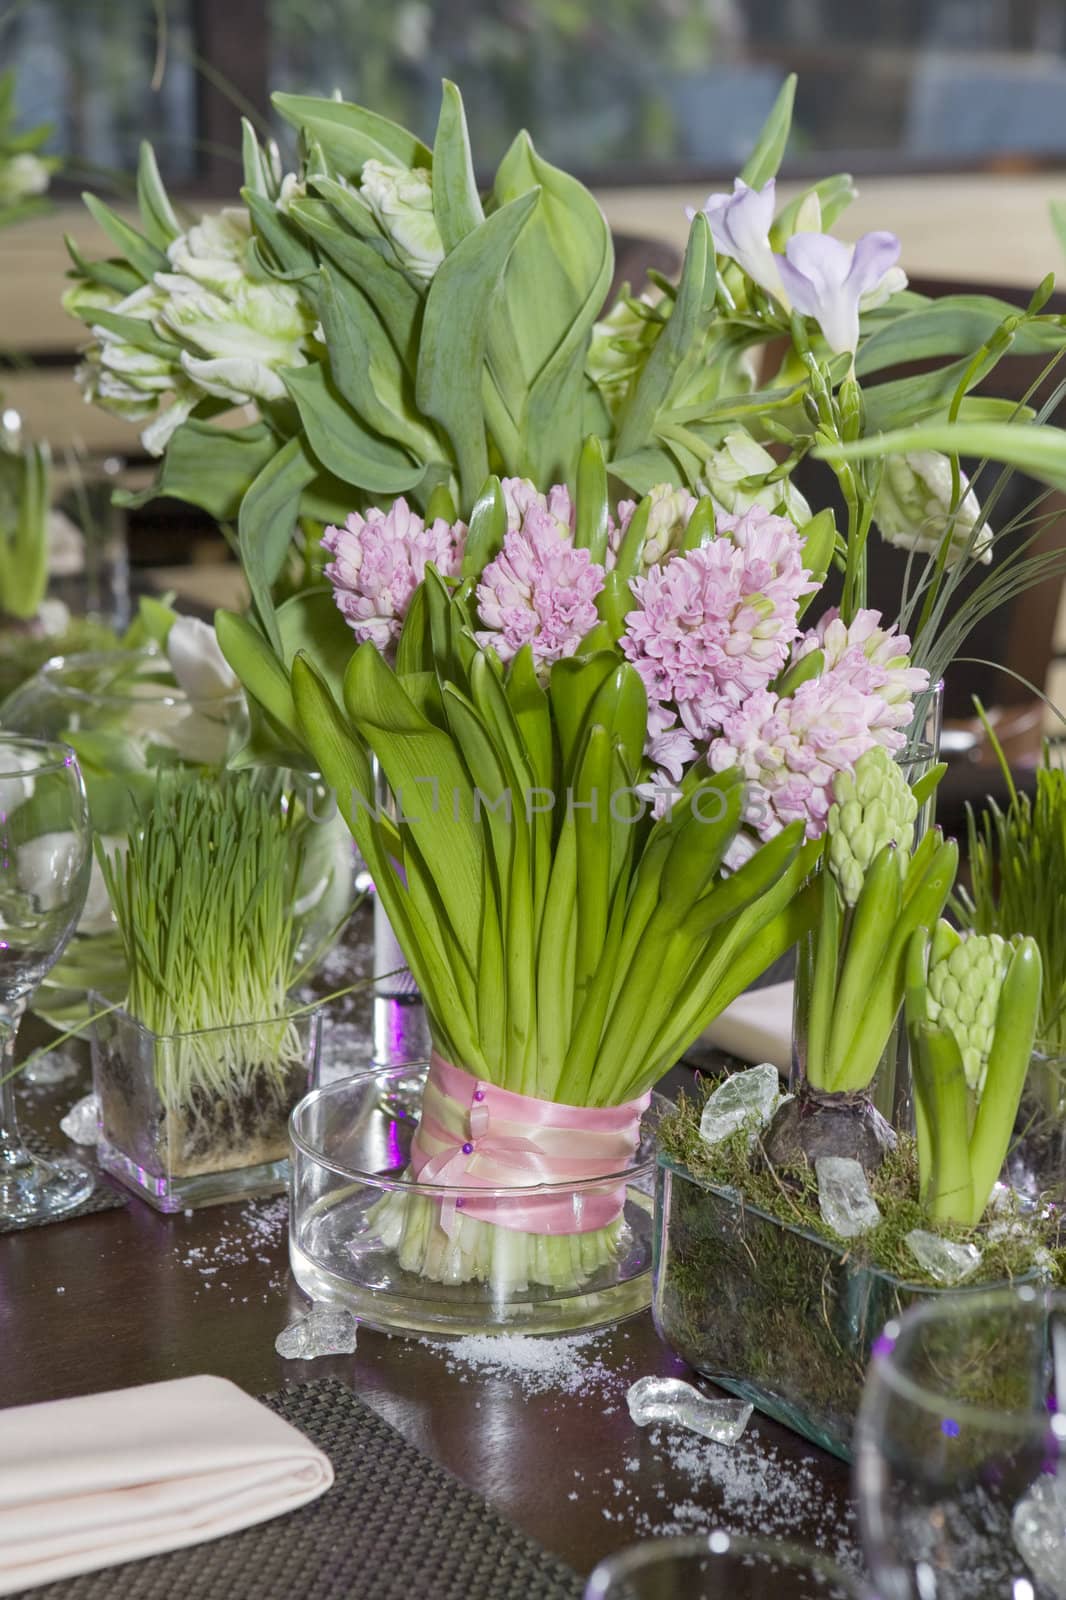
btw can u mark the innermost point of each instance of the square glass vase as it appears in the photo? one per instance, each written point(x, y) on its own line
point(193, 1119)
point(771, 1312)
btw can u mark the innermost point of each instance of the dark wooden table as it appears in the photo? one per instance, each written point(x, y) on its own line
point(128, 1297)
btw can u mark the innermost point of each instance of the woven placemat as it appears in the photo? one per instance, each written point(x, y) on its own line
point(103, 1197)
point(394, 1526)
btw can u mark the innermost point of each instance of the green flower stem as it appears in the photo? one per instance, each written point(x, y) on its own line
point(917, 977)
point(924, 897)
point(940, 1084)
point(863, 964)
point(1008, 1064)
point(831, 934)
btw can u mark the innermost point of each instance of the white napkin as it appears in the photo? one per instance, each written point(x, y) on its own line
point(105, 1478)
point(757, 1027)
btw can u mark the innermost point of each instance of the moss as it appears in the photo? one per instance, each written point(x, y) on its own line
point(792, 1197)
point(788, 1318)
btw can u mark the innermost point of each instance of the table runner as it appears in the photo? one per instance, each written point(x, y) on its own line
point(395, 1526)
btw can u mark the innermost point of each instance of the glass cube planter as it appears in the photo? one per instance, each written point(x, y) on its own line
point(363, 1235)
point(771, 1312)
point(191, 1119)
point(1037, 1158)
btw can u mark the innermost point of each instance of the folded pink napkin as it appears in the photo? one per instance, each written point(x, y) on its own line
point(757, 1027)
point(106, 1478)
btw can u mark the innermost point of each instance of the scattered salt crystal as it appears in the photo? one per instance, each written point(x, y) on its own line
point(572, 1365)
point(671, 1400)
point(324, 1331)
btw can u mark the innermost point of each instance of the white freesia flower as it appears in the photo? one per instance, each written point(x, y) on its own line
point(401, 199)
point(913, 507)
point(97, 915)
point(828, 280)
point(739, 459)
point(740, 226)
point(22, 176)
point(201, 670)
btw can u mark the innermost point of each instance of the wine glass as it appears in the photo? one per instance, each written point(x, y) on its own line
point(45, 859)
point(959, 1464)
point(716, 1565)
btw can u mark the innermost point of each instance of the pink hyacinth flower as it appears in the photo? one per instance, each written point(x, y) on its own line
point(790, 749)
point(539, 590)
point(378, 562)
point(714, 626)
point(874, 660)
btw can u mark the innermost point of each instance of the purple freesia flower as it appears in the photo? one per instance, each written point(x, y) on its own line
point(740, 227)
point(826, 279)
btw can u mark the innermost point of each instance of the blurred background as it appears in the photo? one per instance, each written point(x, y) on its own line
point(950, 113)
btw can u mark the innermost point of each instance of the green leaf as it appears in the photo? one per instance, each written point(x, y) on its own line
point(955, 325)
point(1038, 450)
point(135, 331)
point(451, 354)
point(343, 445)
point(114, 275)
point(396, 302)
point(679, 344)
point(210, 467)
point(160, 224)
point(556, 282)
point(144, 256)
point(488, 524)
point(593, 514)
point(770, 146)
point(257, 174)
point(266, 523)
point(834, 196)
point(456, 203)
point(432, 788)
point(257, 666)
point(363, 366)
point(350, 134)
point(293, 258)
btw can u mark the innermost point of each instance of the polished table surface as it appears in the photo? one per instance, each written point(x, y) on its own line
point(128, 1297)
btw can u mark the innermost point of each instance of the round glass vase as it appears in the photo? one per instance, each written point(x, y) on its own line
point(364, 1235)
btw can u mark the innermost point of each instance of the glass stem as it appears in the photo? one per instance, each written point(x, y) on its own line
point(13, 1153)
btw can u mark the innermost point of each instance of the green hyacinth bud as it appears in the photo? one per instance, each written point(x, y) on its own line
point(872, 806)
point(963, 996)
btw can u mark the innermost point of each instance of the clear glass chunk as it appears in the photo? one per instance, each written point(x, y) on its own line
point(325, 1331)
point(745, 1100)
point(673, 1401)
point(844, 1197)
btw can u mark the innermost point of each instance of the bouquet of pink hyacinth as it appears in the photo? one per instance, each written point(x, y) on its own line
point(542, 563)
point(611, 743)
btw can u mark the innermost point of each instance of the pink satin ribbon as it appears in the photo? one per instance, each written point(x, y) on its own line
point(474, 1135)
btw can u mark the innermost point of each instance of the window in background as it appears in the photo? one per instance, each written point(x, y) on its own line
point(86, 66)
point(618, 90)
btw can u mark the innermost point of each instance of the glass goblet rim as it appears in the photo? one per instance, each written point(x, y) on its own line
point(136, 693)
point(55, 755)
point(887, 1372)
point(636, 1558)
